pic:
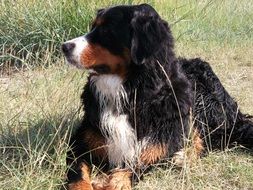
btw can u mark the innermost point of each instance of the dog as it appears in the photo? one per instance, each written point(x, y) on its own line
point(142, 102)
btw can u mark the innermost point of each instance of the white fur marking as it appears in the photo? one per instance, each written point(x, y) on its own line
point(80, 44)
point(123, 146)
point(110, 91)
point(121, 139)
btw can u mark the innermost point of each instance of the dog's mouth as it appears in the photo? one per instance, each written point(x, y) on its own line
point(71, 61)
point(92, 72)
point(101, 69)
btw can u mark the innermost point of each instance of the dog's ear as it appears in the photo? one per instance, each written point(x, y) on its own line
point(148, 33)
point(100, 11)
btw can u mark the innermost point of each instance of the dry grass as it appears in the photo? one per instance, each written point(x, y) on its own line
point(40, 107)
point(220, 170)
point(39, 110)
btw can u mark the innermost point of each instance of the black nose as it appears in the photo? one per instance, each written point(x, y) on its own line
point(67, 48)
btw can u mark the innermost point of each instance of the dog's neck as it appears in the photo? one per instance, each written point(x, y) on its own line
point(110, 92)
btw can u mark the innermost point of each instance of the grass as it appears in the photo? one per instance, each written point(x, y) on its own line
point(40, 104)
point(217, 171)
point(36, 120)
point(31, 32)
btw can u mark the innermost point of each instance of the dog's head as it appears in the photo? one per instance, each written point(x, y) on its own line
point(119, 36)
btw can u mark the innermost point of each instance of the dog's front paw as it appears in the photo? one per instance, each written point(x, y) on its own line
point(179, 159)
point(119, 179)
point(79, 178)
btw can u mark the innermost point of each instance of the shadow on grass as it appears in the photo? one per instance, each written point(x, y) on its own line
point(47, 135)
point(33, 154)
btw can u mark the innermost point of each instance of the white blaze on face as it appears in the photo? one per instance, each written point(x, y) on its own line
point(80, 44)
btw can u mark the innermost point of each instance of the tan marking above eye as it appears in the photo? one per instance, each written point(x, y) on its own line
point(97, 22)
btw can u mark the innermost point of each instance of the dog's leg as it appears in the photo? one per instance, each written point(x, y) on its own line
point(197, 144)
point(191, 153)
point(79, 178)
point(153, 153)
point(87, 147)
point(118, 179)
point(179, 158)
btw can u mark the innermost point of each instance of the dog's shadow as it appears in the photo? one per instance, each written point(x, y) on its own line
point(40, 145)
point(46, 134)
point(44, 143)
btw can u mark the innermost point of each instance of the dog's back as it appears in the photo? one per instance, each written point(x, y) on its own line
point(215, 113)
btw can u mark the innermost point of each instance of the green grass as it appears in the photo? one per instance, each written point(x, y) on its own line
point(40, 104)
point(31, 31)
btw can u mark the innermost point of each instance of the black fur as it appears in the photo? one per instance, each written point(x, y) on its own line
point(216, 113)
point(154, 109)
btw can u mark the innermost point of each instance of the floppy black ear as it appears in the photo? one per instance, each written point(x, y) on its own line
point(149, 32)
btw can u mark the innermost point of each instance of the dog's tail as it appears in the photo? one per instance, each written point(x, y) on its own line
point(243, 132)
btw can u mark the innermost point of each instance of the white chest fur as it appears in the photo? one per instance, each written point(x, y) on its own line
point(121, 137)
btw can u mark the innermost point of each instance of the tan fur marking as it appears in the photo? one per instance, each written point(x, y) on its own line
point(119, 179)
point(153, 153)
point(84, 183)
point(99, 21)
point(197, 143)
point(95, 55)
point(190, 154)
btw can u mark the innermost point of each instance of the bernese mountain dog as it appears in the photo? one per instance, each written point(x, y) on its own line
point(142, 104)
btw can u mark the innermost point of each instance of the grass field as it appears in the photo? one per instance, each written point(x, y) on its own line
point(39, 94)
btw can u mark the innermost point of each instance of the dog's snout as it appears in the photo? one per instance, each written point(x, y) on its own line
point(67, 48)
